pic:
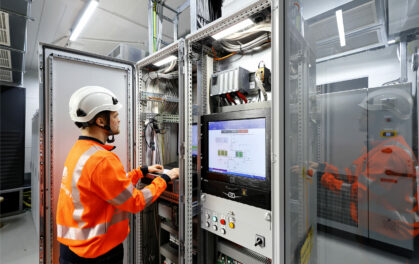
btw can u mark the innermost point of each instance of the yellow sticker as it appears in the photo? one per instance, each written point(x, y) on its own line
point(388, 133)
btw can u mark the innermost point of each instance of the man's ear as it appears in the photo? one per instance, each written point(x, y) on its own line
point(100, 121)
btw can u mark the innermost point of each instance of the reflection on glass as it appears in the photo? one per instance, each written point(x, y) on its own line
point(351, 132)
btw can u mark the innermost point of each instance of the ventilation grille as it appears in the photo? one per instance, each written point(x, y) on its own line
point(11, 175)
point(5, 59)
point(6, 76)
point(4, 29)
point(353, 43)
point(335, 207)
point(354, 19)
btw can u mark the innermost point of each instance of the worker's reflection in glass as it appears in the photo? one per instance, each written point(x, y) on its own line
point(382, 181)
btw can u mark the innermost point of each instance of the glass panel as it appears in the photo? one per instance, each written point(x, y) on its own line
point(351, 131)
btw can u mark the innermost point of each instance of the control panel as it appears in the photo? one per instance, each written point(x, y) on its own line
point(243, 224)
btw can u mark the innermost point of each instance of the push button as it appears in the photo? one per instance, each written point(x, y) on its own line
point(223, 222)
point(231, 224)
point(214, 218)
point(215, 227)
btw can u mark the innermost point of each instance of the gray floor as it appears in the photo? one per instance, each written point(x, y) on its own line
point(19, 244)
point(336, 250)
point(18, 240)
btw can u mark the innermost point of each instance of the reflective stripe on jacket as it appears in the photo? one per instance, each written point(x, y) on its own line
point(95, 197)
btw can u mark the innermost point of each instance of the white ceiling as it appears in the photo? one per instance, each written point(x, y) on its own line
point(125, 21)
point(114, 22)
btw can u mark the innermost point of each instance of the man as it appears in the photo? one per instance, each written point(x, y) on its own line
point(382, 181)
point(96, 193)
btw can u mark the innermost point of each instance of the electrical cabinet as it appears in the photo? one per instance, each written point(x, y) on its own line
point(165, 97)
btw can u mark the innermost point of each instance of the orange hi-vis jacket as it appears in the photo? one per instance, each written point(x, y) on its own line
point(383, 188)
point(95, 197)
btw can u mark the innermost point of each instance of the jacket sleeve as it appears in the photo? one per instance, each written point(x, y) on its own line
point(136, 174)
point(330, 177)
point(111, 183)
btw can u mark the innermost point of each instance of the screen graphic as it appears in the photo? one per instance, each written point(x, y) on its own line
point(237, 147)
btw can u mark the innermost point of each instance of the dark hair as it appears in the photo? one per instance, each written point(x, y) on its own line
point(92, 122)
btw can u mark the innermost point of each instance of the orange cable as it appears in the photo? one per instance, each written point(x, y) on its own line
point(222, 58)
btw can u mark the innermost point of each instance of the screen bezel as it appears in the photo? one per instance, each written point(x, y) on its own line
point(261, 184)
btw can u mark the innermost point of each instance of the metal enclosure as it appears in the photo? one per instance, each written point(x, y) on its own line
point(274, 57)
point(64, 71)
point(175, 141)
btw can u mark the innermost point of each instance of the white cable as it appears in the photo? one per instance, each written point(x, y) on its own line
point(259, 35)
point(254, 43)
point(261, 87)
point(263, 27)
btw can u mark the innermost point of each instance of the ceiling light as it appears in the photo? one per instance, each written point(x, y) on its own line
point(88, 12)
point(391, 41)
point(165, 60)
point(341, 29)
point(237, 27)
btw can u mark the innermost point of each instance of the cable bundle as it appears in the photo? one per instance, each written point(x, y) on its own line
point(207, 11)
point(248, 40)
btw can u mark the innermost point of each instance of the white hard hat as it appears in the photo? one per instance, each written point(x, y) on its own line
point(88, 101)
point(397, 101)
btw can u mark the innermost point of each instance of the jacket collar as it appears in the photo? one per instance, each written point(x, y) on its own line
point(107, 147)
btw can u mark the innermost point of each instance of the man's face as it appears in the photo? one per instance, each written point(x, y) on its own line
point(115, 122)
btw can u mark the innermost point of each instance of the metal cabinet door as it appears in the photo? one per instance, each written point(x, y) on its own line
point(63, 71)
point(341, 140)
point(391, 194)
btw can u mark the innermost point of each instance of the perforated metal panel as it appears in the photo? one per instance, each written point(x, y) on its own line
point(355, 18)
point(6, 75)
point(5, 59)
point(4, 29)
point(353, 42)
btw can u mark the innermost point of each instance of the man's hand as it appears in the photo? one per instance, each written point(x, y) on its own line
point(173, 173)
point(155, 168)
point(330, 182)
point(312, 166)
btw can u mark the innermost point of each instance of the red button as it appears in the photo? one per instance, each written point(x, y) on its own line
point(223, 222)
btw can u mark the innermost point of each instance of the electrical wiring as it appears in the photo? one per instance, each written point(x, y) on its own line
point(27, 198)
point(239, 47)
point(262, 27)
point(168, 72)
point(230, 99)
point(248, 40)
point(222, 58)
point(159, 75)
point(259, 84)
